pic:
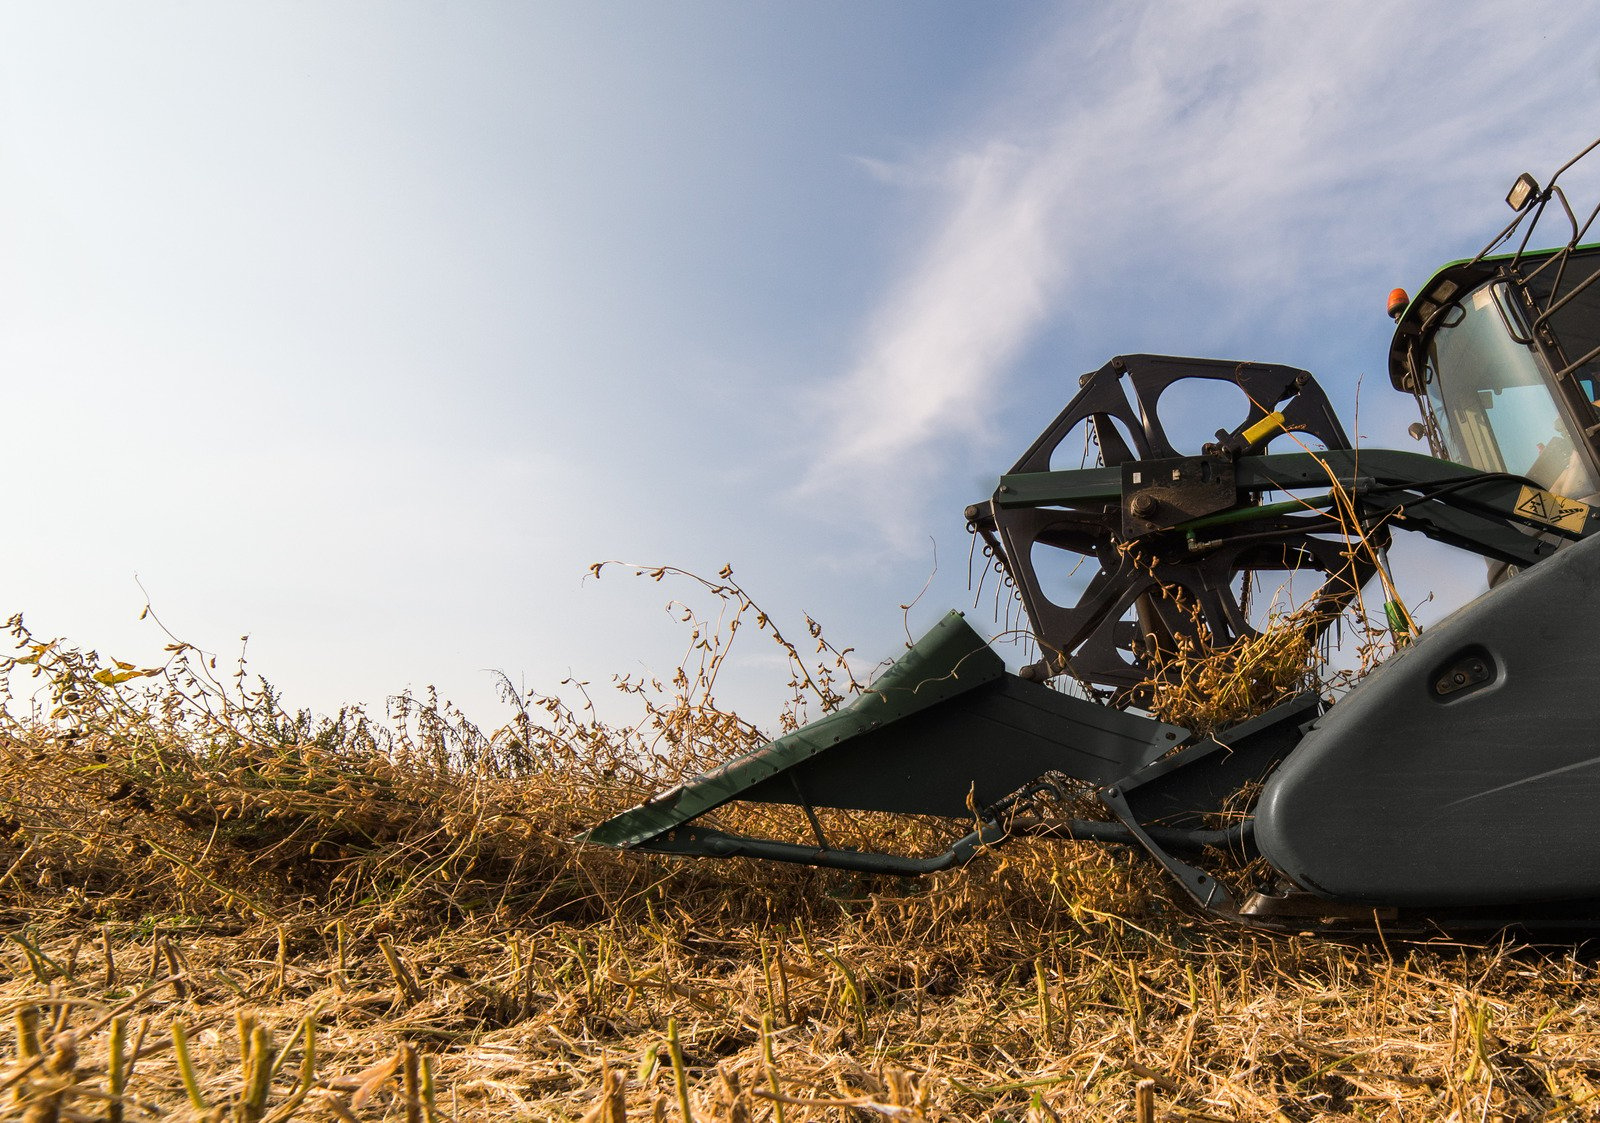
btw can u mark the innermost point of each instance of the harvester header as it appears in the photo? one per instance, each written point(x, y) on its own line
point(1456, 782)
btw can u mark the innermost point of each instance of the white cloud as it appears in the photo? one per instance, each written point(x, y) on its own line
point(1268, 140)
point(981, 286)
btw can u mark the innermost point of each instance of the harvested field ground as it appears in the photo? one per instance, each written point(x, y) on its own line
point(218, 910)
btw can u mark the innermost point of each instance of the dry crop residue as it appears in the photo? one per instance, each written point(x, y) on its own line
point(218, 910)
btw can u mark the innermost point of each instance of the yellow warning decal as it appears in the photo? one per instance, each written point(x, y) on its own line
point(1269, 426)
point(1553, 510)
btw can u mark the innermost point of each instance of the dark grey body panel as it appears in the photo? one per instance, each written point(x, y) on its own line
point(971, 751)
point(1488, 794)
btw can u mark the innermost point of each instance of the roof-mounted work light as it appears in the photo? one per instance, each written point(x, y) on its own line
point(1522, 191)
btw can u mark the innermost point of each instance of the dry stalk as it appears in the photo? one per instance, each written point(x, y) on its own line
point(224, 842)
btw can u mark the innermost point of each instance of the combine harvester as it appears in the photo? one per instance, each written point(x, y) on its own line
point(1457, 783)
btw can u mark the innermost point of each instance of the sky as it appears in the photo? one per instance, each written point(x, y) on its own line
point(364, 329)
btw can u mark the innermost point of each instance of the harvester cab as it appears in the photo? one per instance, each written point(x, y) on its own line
point(1506, 381)
point(1456, 782)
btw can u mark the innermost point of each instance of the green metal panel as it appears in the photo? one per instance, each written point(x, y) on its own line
point(1084, 485)
point(950, 660)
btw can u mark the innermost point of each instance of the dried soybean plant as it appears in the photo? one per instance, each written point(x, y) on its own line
point(217, 908)
point(1208, 686)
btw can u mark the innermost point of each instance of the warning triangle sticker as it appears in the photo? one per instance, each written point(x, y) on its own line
point(1551, 509)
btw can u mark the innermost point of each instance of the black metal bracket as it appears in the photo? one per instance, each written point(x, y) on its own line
point(1207, 892)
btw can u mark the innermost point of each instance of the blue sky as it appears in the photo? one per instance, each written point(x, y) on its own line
point(365, 328)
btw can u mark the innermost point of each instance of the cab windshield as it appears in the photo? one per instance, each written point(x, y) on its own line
point(1490, 398)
